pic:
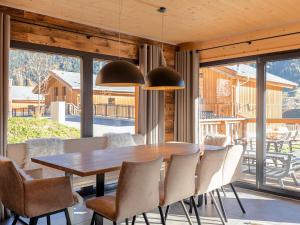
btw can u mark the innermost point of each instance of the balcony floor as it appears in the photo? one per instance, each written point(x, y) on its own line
point(262, 209)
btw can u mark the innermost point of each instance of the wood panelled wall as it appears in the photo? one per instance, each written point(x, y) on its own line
point(39, 29)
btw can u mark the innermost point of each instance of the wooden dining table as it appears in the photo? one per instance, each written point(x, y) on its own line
point(99, 162)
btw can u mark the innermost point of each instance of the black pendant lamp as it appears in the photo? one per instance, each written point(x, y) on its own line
point(119, 73)
point(163, 78)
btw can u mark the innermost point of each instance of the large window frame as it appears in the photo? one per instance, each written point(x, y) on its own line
point(86, 76)
point(261, 61)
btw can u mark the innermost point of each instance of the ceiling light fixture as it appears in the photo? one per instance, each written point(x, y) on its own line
point(163, 77)
point(120, 73)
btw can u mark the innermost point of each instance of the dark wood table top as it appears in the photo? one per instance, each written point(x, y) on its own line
point(101, 161)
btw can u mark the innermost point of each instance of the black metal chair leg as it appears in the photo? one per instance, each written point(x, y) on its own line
point(205, 199)
point(167, 212)
point(237, 198)
point(48, 220)
point(163, 222)
point(15, 220)
point(126, 221)
point(93, 219)
point(200, 200)
point(191, 207)
point(222, 206)
point(68, 220)
point(115, 223)
point(224, 192)
point(133, 220)
point(217, 207)
point(146, 219)
point(196, 211)
point(33, 221)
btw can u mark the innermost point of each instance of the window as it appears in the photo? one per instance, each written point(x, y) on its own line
point(228, 107)
point(35, 81)
point(64, 91)
point(114, 107)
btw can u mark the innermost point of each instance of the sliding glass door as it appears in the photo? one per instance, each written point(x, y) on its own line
point(281, 156)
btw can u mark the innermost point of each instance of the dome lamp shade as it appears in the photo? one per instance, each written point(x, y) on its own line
point(120, 74)
point(163, 78)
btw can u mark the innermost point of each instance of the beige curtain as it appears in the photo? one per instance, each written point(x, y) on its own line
point(4, 66)
point(187, 100)
point(151, 103)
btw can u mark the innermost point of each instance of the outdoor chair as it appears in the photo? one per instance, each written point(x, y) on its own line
point(137, 193)
point(33, 199)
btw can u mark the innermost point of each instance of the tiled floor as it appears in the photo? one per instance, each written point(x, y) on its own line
point(262, 209)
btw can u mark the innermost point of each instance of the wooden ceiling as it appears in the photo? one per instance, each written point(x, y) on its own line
point(185, 20)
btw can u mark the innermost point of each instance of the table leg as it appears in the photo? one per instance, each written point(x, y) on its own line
point(100, 178)
point(70, 209)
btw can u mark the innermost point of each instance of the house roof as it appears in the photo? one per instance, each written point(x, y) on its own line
point(24, 93)
point(73, 80)
point(249, 71)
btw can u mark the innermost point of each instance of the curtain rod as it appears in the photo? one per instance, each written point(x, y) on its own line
point(249, 41)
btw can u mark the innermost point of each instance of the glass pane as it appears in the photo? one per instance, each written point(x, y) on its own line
point(114, 107)
point(228, 107)
point(282, 163)
point(44, 96)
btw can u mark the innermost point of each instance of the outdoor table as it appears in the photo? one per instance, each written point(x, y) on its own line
point(98, 162)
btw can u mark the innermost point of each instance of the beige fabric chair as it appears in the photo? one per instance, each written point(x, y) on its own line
point(31, 198)
point(232, 169)
point(137, 193)
point(179, 183)
point(210, 175)
point(217, 140)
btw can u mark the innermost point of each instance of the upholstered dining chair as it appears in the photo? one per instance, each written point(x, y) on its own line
point(209, 177)
point(232, 171)
point(137, 193)
point(179, 183)
point(33, 199)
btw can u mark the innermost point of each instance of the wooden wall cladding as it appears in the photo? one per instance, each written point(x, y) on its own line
point(39, 29)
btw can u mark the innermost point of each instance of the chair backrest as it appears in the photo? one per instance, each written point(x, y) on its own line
point(217, 140)
point(233, 164)
point(11, 186)
point(210, 171)
point(138, 188)
point(180, 178)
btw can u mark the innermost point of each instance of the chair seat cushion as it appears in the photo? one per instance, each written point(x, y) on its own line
point(105, 206)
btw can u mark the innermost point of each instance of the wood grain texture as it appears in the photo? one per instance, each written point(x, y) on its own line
point(185, 20)
point(101, 161)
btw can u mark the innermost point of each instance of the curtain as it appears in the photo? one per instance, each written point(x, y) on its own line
point(4, 67)
point(151, 103)
point(186, 126)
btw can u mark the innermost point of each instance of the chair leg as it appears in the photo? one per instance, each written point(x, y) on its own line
point(191, 207)
point(196, 211)
point(186, 212)
point(33, 221)
point(126, 221)
point(167, 212)
point(237, 198)
point(48, 220)
point(115, 223)
point(93, 219)
point(68, 220)
point(146, 219)
point(222, 206)
point(217, 207)
point(133, 220)
point(205, 199)
point(224, 192)
point(15, 220)
point(163, 222)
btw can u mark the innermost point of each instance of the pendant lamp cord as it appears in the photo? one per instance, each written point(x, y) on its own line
point(162, 10)
point(120, 14)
